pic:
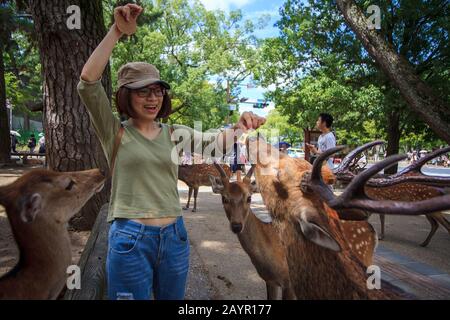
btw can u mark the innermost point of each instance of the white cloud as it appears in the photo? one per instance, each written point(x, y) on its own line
point(224, 4)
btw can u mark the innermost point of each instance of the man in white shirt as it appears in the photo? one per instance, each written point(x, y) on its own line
point(327, 139)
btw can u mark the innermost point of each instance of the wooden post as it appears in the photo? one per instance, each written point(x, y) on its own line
point(92, 262)
point(307, 140)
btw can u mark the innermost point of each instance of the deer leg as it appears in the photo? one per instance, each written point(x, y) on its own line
point(272, 290)
point(288, 294)
point(189, 199)
point(434, 227)
point(439, 217)
point(195, 199)
point(382, 220)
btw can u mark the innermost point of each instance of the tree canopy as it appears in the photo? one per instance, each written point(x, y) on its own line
point(318, 65)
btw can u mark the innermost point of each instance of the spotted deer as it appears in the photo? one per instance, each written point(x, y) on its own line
point(39, 205)
point(308, 217)
point(258, 239)
point(196, 175)
point(407, 185)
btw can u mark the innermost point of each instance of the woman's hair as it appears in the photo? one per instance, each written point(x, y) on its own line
point(124, 106)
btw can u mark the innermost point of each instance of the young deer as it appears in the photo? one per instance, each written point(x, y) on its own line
point(307, 215)
point(196, 175)
point(407, 185)
point(39, 205)
point(259, 240)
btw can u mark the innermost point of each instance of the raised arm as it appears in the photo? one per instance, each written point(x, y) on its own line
point(125, 22)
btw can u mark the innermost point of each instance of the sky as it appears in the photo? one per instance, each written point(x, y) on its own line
point(252, 10)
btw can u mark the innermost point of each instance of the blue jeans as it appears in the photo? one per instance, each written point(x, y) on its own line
point(144, 260)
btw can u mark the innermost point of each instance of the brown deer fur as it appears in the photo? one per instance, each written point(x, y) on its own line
point(196, 175)
point(258, 239)
point(321, 263)
point(38, 205)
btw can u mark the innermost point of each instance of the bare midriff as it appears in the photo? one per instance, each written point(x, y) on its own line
point(155, 221)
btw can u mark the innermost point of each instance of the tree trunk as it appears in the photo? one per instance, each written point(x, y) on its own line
point(418, 95)
point(26, 121)
point(5, 139)
point(393, 144)
point(71, 142)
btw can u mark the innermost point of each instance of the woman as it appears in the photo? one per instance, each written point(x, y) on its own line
point(148, 246)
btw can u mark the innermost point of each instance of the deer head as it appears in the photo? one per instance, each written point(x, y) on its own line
point(44, 195)
point(236, 197)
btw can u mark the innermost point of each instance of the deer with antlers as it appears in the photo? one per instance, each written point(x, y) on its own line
point(410, 184)
point(39, 205)
point(308, 218)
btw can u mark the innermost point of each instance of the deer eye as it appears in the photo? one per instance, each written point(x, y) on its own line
point(225, 200)
point(249, 199)
point(70, 185)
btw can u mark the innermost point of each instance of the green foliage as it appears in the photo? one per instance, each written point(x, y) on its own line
point(196, 51)
point(280, 123)
point(21, 57)
point(318, 65)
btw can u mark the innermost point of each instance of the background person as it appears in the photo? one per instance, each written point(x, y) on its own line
point(327, 140)
point(42, 145)
point(13, 143)
point(32, 143)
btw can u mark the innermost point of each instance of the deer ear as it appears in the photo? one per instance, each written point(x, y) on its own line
point(30, 206)
point(318, 235)
point(216, 184)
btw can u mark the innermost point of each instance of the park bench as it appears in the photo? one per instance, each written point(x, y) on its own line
point(24, 155)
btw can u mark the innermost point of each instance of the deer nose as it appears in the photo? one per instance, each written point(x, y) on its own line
point(236, 227)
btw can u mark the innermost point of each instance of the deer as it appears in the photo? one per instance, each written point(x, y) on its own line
point(196, 175)
point(407, 185)
point(39, 205)
point(261, 241)
point(308, 217)
point(258, 239)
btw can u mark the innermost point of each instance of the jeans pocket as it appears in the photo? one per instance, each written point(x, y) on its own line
point(121, 242)
point(181, 231)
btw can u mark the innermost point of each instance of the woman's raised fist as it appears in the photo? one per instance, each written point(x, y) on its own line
point(125, 18)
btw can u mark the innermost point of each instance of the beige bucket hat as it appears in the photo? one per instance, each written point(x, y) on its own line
point(135, 75)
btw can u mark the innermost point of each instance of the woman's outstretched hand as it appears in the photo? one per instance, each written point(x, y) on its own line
point(125, 18)
point(249, 120)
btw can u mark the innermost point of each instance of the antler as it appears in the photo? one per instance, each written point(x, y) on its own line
point(411, 174)
point(343, 168)
point(354, 196)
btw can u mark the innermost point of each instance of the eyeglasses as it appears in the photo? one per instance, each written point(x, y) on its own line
point(147, 92)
